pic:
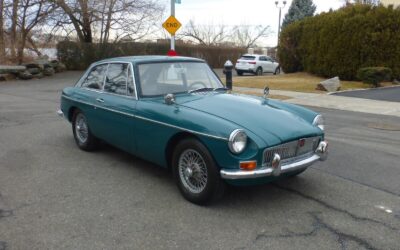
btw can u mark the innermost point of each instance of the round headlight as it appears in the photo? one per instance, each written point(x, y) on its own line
point(237, 141)
point(319, 122)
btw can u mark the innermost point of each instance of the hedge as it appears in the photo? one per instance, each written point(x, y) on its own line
point(339, 43)
point(374, 75)
point(78, 56)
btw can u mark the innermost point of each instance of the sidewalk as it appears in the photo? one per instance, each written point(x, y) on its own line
point(335, 102)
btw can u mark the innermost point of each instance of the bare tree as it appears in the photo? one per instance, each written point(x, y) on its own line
point(247, 35)
point(2, 33)
point(25, 16)
point(107, 20)
point(206, 34)
point(240, 35)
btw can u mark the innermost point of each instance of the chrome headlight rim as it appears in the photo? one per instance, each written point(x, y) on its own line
point(231, 141)
point(319, 122)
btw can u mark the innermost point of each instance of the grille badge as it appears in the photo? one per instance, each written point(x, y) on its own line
point(301, 143)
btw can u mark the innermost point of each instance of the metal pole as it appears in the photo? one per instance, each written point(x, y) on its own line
point(279, 27)
point(172, 14)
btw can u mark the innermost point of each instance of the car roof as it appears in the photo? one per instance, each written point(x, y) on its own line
point(254, 55)
point(150, 59)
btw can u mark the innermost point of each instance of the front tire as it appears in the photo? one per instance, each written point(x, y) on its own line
point(82, 135)
point(196, 173)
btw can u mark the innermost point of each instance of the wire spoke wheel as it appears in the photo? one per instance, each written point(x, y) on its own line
point(192, 171)
point(81, 128)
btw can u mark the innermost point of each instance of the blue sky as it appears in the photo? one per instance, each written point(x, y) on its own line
point(236, 12)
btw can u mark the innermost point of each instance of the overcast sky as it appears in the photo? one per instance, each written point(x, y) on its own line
point(236, 12)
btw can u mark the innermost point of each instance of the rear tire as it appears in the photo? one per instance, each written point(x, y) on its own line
point(196, 173)
point(259, 71)
point(82, 135)
point(239, 73)
point(277, 71)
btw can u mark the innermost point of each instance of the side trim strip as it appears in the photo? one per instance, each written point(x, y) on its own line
point(146, 119)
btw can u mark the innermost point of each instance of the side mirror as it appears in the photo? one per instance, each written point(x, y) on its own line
point(169, 99)
point(266, 92)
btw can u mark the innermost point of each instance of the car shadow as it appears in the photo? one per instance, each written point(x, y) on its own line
point(252, 195)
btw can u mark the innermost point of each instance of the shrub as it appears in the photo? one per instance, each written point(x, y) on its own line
point(338, 43)
point(374, 75)
point(78, 56)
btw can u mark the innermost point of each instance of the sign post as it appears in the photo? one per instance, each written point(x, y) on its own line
point(172, 25)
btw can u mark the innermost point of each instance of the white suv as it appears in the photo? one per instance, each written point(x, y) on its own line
point(256, 64)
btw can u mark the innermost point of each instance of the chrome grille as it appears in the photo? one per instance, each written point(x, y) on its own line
point(292, 150)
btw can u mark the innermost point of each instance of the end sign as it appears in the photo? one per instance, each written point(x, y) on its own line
point(172, 25)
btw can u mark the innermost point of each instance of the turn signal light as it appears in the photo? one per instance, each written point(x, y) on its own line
point(248, 165)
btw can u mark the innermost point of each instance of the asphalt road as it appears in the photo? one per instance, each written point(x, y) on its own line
point(55, 196)
point(391, 94)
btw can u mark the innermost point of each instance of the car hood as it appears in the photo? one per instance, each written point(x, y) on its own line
point(272, 123)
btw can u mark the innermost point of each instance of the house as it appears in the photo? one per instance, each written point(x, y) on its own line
point(395, 3)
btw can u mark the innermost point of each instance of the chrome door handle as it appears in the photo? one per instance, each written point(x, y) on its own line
point(100, 100)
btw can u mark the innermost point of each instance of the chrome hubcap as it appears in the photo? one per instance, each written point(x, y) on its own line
point(81, 128)
point(192, 171)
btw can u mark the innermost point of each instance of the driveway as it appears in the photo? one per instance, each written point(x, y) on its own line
point(55, 196)
point(391, 94)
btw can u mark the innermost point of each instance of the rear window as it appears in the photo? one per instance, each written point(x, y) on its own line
point(249, 58)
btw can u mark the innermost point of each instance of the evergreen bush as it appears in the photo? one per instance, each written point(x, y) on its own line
point(374, 75)
point(339, 43)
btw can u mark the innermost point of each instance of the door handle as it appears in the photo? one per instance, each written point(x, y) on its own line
point(100, 100)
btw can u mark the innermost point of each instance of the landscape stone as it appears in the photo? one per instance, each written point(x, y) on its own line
point(331, 85)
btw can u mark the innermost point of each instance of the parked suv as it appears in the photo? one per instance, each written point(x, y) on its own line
point(256, 64)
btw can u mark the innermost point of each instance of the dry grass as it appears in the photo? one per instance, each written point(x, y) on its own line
point(300, 82)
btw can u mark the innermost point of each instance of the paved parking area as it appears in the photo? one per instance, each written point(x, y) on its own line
point(55, 196)
point(391, 94)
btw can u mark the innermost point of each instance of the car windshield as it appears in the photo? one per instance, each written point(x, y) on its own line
point(249, 58)
point(176, 77)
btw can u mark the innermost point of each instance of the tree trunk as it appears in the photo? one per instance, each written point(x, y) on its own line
point(13, 35)
point(21, 47)
point(2, 48)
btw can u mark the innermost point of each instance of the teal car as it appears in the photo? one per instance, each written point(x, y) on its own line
point(176, 113)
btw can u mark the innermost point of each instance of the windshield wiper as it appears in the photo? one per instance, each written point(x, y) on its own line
point(201, 90)
point(221, 88)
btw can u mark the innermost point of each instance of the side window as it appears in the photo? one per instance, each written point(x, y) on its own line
point(263, 58)
point(116, 78)
point(131, 85)
point(95, 78)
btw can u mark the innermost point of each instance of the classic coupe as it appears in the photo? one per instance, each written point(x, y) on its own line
point(176, 113)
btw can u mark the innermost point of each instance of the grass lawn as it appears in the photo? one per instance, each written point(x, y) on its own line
point(300, 82)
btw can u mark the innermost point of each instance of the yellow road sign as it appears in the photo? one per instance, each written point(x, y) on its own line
point(172, 25)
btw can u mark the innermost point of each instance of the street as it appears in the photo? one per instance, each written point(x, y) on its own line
point(55, 196)
point(391, 94)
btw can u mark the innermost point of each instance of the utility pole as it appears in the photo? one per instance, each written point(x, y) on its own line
point(173, 14)
point(280, 7)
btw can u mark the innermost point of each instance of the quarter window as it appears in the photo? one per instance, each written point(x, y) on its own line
point(131, 85)
point(95, 78)
point(116, 78)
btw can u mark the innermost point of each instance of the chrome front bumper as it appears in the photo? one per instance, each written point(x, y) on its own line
point(321, 154)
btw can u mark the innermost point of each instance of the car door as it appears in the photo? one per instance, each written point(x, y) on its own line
point(261, 62)
point(270, 64)
point(118, 103)
point(264, 63)
point(88, 92)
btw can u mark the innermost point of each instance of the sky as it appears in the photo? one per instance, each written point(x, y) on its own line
point(238, 12)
